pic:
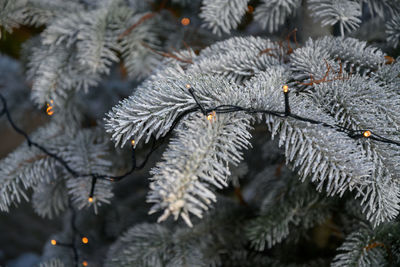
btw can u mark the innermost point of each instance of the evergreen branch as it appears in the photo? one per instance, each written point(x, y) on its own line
point(272, 14)
point(196, 159)
point(52, 263)
point(299, 206)
point(137, 44)
point(382, 8)
point(393, 31)
point(329, 58)
point(357, 250)
point(345, 12)
point(137, 23)
point(50, 198)
point(237, 59)
point(221, 16)
point(205, 244)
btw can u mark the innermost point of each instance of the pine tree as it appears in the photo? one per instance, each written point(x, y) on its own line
point(242, 135)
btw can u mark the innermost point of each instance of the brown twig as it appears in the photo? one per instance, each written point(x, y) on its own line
point(339, 75)
point(374, 245)
point(267, 51)
point(278, 170)
point(142, 19)
point(137, 23)
point(281, 47)
point(168, 55)
point(290, 49)
point(389, 60)
point(239, 195)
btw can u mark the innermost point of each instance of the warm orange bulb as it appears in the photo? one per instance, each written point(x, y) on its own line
point(367, 134)
point(84, 263)
point(90, 199)
point(211, 116)
point(187, 86)
point(250, 9)
point(53, 242)
point(85, 240)
point(133, 142)
point(185, 21)
point(49, 109)
point(285, 88)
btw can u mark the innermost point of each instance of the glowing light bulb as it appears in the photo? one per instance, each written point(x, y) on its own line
point(49, 109)
point(185, 21)
point(211, 116)
point(84, 263)
point(367, 134)
point(90, 199)
point(53, 242)
point(133, 142)
point(85, 240)
point(285, 88)
point(188, 86)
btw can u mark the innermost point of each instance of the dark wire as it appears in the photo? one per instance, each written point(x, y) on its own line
point(218, 110)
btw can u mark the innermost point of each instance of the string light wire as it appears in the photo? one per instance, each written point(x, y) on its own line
point(215, 110)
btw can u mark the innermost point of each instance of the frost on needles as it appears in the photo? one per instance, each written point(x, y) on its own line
point(334, 160)
point(243, 182)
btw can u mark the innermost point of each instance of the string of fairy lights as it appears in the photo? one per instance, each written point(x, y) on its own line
point(209, 113)
point(84, 239)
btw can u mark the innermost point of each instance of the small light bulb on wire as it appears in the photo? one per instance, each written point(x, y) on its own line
point(367, 134)
point(133, 142)
point(285, 88)
point(185, 21)
point(84, 263)
point(188, 86)
point(49, 109)
point(211, 116)
point(53, 242)
point(85, 240)
point(90, 199)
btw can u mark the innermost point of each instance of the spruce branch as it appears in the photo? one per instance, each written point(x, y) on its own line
point(345, 12)
point(272, 14)
point(236, 59)
point(361, 249)
point(87, 152)
point(382, 8)
point(56, 73)
point(205, 244)
point(221, 16)
point(291, 210)
point(137, 44)
point(195, 160)
point(50, 198)
point(393, 31)
point(11, 14)
point(25, 168)
point(52, 263)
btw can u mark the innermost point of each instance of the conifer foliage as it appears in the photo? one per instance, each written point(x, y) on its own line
point(241, 135)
